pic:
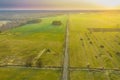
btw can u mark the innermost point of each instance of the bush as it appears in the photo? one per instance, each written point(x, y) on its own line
point(29, 61)
point(88, 65)
point(39, 63)
point(118, 53)
point(90, 42)
point(101, 46)
point(81, 39)
point(57, 23)
point(118, 43)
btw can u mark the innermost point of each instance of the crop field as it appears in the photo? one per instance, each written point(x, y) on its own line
point(95, 75)
point(28, 74)
point(90, 49)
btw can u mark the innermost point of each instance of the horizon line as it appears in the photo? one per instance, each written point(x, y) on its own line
point(62, 9)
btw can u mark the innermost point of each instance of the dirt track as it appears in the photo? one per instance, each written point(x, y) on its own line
point(66, 55)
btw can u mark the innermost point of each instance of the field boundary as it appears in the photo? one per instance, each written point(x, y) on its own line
point(93, 69)
point(104, 29)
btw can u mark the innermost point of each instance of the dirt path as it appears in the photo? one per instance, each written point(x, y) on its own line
point(38, 56)
point(65, 74)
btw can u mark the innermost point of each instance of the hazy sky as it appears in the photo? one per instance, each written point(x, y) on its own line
point(59, 4)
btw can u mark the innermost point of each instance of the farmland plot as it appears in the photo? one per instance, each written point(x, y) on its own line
point(94, 75)
point(42, 41)
point(28, 74)
point(94, 49)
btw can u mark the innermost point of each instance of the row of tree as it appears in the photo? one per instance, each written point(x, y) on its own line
point(13, 24)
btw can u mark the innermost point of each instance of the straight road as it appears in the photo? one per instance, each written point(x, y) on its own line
point(65, 74)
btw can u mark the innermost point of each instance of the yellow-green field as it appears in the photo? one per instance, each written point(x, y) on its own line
point(94, 75)
point(28, 74)
point(21, 46)
point(91, 49)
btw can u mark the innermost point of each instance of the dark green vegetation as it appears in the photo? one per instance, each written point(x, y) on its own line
point(94, 75)
point(94, 44)
point(56, 23)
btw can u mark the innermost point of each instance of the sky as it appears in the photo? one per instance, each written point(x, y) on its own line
point(60, 4)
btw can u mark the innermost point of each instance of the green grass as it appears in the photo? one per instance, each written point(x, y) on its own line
point(20, 44)
point(94, 75)
point(43, 27)
point(28, 74)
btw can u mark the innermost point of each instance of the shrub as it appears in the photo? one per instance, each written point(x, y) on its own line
point(29, 61)
point(81, 39)
point(118, 43)
point(56, 23)
point(118, 53)
point(101, 46)
point(90, 42)
point(39, 63)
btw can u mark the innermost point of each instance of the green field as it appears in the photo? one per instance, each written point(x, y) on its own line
point(19, 46)
point(94, 75)
point(85, 46)
point(28, 74)
point(91, 49)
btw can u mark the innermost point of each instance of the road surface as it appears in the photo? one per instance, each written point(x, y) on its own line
point(65, 74)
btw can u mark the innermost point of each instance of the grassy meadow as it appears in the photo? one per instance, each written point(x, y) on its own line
point(96, 49)
point(19, 46)
point(91, 49)
point(28, 74)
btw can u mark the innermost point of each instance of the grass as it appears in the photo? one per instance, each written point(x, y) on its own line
point(94, 75)
point(85, 45)
point(43, 27)
point(28, 74)
point(94, 49)
point(25, 42)
point(19, 46)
